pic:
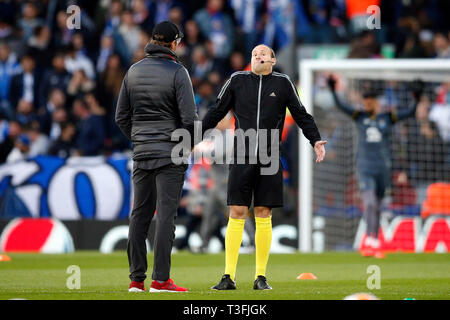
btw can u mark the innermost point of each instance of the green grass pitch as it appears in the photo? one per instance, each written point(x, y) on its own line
point(105, 276)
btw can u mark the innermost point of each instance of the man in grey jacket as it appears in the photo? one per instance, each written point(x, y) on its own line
point(156, 98)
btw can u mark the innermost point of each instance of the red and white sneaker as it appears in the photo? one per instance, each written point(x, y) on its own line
point(136, 286)
point(167, 286)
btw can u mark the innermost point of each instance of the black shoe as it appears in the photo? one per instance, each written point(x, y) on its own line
point(261, 284)
point(225, 283)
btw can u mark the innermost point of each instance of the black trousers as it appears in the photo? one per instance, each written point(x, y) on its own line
point(158, 189)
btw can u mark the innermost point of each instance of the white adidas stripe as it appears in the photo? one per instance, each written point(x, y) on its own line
point(225, 86)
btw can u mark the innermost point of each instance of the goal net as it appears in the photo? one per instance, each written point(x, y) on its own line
point(330, 204)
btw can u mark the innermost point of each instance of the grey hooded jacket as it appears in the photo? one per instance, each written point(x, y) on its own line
point(155, 99)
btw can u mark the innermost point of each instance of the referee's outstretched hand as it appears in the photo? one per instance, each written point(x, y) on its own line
point(319, 149)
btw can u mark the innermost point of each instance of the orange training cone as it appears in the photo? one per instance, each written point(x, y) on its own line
point(4, 257)
point(379, 255)
point(307, 276)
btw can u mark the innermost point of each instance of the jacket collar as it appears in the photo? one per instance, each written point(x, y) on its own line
point(264, 76)
point(154, 50)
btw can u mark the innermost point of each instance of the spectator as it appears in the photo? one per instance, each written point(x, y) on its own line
point(91, 128)
point(441, 45)
point(56, 101)
point(25, 85)
point(59, 117)
point(38, 47)
point(443, 93)
point(216, 26)
point(111, 80)
point(440, 114)
point(13, 131)
point(192, 39)
point(237, 62)
point(142, 15)
point(247, 13)
point(130, 32)
point(216, 79)
point(413, 47)
point(425, 150)
point(29, 20)
point(365, 45)
point(202, 65)
point(64, 145)
point(176, 15)
point(139, 54)
point(114, 16)
point(280, 23)
point(55, 78)
point(25, 112)
point(6, 31)
point(94, 107)
point(8, 68)
point(79, 46)
point(75, 60)
point(39, 142)
point(220, 65)
point(3, 127)
point(109, 87)
point(63, 35)
point(79, 84)
point(205, 97)
point(106, 50)
point(163, 9)
point(144, 39)
point(408, 39)
point(21, 149)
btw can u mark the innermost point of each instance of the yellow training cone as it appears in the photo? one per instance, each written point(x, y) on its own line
point(307, 276)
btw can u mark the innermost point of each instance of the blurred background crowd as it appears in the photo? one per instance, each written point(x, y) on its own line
point(58, 86)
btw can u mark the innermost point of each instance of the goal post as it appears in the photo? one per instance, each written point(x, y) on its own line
point(400, 70)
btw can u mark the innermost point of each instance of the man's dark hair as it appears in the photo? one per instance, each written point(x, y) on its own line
point(66, 124)
point(28, 55)
point(370, 93)
point(161, 43)
point(59, 54)
point(69, 49)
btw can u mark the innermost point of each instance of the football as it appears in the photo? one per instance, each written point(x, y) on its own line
point(361, 296)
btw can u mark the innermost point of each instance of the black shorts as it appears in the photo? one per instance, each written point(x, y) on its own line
point(377, 181)
point(245, 181)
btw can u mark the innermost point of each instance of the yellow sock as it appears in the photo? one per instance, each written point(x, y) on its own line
point(263, 240)
point(233, 239)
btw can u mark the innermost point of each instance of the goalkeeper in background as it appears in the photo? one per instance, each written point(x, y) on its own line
point(373, 157)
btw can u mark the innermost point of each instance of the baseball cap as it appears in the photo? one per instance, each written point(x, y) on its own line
point(166, 31)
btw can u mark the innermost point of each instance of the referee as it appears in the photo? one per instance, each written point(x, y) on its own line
point(156, 98)
point(259, 99)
